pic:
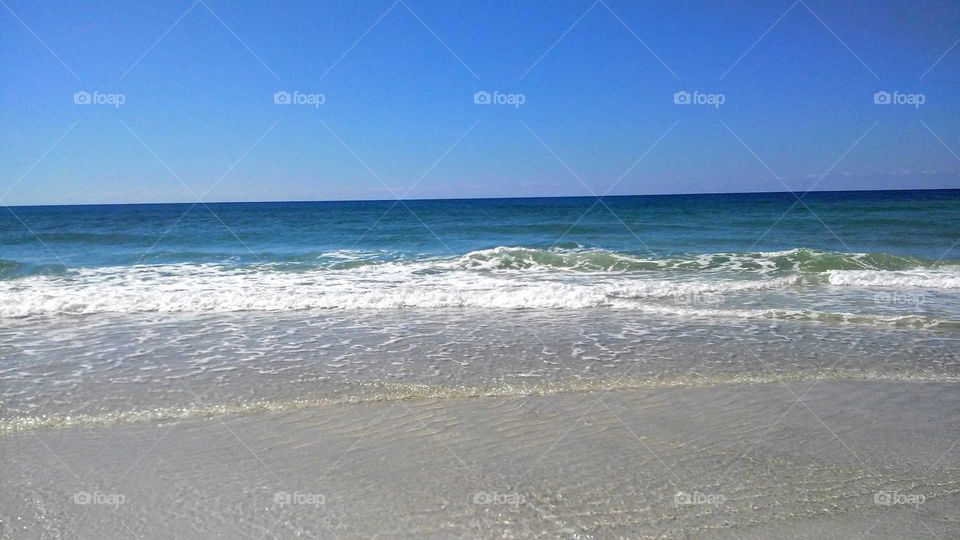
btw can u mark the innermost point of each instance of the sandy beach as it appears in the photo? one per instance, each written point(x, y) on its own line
point(852, 459)
point(441, 424)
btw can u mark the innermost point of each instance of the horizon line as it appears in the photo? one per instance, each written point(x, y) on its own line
point(287, 201)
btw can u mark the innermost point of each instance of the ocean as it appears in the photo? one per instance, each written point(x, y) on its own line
point(688, 312)
point(468, 282)
point(752, 255)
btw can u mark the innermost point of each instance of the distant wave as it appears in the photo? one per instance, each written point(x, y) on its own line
point(91, 238)
point(7, 267)
point(499, 278)
point(569, 257)
point(799, 260)
point(15, 269)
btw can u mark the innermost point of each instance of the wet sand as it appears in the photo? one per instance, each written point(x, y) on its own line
point(811, 459)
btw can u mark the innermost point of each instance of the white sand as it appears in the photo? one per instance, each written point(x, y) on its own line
point(587, 464)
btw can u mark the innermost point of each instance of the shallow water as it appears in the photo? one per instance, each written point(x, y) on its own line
point(734, 461)
point(120, 368)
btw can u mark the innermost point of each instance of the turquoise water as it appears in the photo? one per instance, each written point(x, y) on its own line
point(920, 224)
point(861, 257)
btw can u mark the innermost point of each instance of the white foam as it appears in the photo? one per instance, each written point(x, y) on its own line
point(212, 288)
point(910, 279)
point(483, 279)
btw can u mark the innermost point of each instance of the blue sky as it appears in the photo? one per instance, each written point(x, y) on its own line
point(398, 79)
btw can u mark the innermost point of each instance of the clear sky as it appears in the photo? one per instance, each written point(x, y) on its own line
point(587, 92)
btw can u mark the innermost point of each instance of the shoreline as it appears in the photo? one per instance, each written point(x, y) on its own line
point(380, 392)
point(605, 463)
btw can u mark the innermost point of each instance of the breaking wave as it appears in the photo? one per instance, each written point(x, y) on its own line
point(799, 260)
point(498, 278)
